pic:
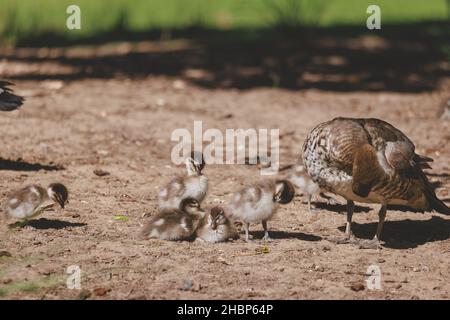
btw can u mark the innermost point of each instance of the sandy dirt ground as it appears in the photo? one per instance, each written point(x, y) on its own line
point(69, 128)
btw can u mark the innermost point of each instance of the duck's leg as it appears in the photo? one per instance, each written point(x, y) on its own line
point(246, 227)
point(375, 242)
point(348, 224)
point(266, 232)
point(348, 238)
point(311, 208)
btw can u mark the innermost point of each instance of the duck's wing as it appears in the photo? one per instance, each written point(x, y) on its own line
point(156, 223)
point(173, 190)
point(398, 149)
point(23, 203)
point(8, 100)
point(406, 165)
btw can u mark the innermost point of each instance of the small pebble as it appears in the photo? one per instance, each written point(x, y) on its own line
point(84, 294)
point(357, 287)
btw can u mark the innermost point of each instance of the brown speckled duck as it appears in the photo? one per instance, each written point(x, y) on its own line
point(369, 160)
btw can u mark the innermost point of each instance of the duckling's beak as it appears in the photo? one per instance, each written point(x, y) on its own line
point(277, 197)
point(214, 224)
point(60, 200)
point(197, 168)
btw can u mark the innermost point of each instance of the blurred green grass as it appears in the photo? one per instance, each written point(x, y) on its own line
point(25, 19)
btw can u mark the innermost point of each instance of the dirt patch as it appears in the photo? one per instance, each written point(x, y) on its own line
point(71, 131)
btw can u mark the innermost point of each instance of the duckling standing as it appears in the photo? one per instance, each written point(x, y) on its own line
point(194, 185)
point(29, 202)
point(175, 224)
point(305, 183)
point(369, 160)
point(300, 178)
point(444, 111)
point(259, 202)
point(8, 100)
point(216, 227)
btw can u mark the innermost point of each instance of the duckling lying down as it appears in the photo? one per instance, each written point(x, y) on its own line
point(176, 224)
point(216, 227)
point(189, 222)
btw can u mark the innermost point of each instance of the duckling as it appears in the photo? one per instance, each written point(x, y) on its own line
point(30, 201)
point(304, 182)
point(216, 227)
point(259, 202)
point(193, 185)
point(308, 187)
point(444, 110)
point(371, 161)
point(175, 224)
point(8, 100)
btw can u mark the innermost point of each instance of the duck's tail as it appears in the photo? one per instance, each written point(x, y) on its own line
point(436, 204)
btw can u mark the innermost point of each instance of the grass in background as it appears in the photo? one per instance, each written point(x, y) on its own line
point(30, 18)
point(37, 285)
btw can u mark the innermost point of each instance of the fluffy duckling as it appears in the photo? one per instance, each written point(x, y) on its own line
point(304, 182)
point(444, 110)
point(301, 180)
point(175, 224)
point(216, 227)
point(369, 160)
point(259, 202)
point(193, 185)
point(32, 200)
point(8, 100)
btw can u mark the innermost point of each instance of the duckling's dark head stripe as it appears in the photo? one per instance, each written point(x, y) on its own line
point(61, 193)
point(287, 193)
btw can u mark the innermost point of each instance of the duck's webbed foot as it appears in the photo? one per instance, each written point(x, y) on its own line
point(249, 239)
point(370, 244)
point(375, 243)
point(347, 239)
point(313, 209)
point(266, 237)
point(266, 232)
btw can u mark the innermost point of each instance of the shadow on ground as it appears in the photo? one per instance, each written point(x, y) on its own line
point(20, 165)
point(286, 235)
point(53, 224)
point(405, 234)
point(339, 208)
point(402, 58)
